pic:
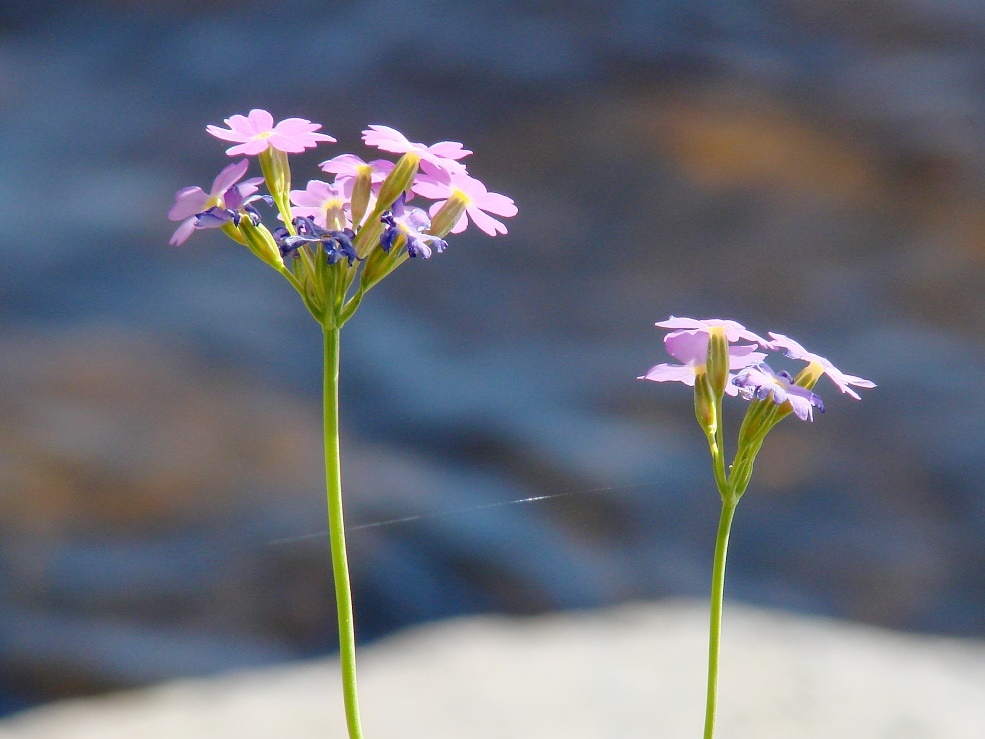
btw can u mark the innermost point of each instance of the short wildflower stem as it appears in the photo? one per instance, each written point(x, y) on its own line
point(717, 460)
point(336, 530)
point(717, 449)
point(715, 627)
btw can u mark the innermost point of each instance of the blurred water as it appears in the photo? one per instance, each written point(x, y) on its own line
point(814, 171)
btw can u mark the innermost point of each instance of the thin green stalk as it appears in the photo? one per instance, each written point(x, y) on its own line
point(336, 532)
point(717, 596)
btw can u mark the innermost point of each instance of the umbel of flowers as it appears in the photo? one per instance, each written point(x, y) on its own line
point(721, 358)
point(337, 239)
point(334, 241)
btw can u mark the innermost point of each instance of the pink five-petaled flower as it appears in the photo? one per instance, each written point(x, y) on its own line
point(321, 201)
point(256, 131)
point(348, 167)
point(690, 346)
point(444, 154)
point(471, 193)
point(839, 378)
point(760, 382)
point(189, 202)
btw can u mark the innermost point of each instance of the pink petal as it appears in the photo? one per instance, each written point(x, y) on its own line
point(438, 166)
point(260, 121)
point(189, 201)
point(857, 381)
point(485, 222)
point(229, 176)
point(734, 331)
point(227, 135)
point(461, 225)
point(449, 150)
point(381, 169)
point(794, 350)
point(670, 373)
point(430, 188)
point(342, 164)
point(314, 195)
point(303, 199)
point(498, 204)
point(742, 355)
point(386, 138)
point(181, 234)
point(253, 146)
point(287, 144)
point(689, 346)
point(469, 185)
point(290, 126)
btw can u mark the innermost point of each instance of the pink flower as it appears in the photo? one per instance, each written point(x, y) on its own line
point(443, 155)
point(690, 346)
point(348, 166)
point(256, 131)
point(839, 378)
point(319, 199)
point(478, 201)
point(225, 193)
point(733, 331)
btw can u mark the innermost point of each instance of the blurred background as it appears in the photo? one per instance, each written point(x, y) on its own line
point(815, 169)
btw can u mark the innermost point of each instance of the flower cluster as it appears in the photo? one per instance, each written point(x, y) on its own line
point(718, 358)
point(361, 225)
point(749, 376)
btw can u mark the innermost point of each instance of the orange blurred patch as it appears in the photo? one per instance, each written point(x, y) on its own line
point(724, 142)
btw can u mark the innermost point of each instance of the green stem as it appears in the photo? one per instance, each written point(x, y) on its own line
point(336, 531)
point(717, 460)
point(717, 596)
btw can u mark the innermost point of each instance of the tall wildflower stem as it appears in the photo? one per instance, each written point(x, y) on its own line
point(717, 594)
point(333, 245)
point(336, 531)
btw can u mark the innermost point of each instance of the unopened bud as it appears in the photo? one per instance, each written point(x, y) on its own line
point(809, 376)
point(449, 214)
point(260, 241)
point(361, 189)
point(718, 361)
point(398, 181)
point(705, 404)
point(276, 172)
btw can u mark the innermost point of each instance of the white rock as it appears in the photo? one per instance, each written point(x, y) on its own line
point(633, 671)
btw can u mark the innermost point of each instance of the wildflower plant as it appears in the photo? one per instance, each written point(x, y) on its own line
point(335, 241)
point(718, 358)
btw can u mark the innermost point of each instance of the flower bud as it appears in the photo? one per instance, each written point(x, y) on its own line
point(809, 376)
point(449, 214)
point(260, 241)
point(705, 404)
point(398, 181)
point(276, 173)
point(232, 232)
point(377, 266)
point(718, 361)
point(361, 189)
